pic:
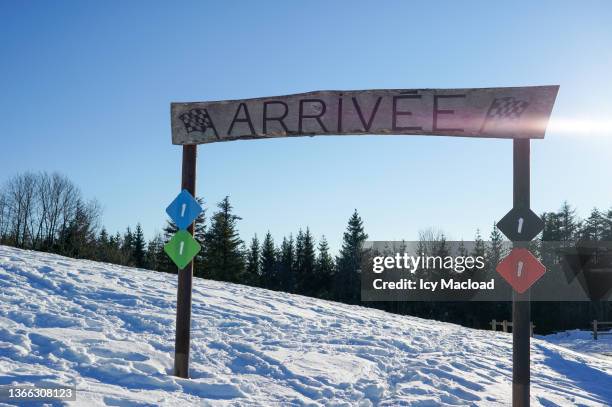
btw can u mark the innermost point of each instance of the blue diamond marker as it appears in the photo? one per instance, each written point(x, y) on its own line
point(184, 209)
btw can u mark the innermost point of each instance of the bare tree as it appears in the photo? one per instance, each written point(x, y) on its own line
point(58, 198)
point(19, 193)
point(38, 209)
point(429, 239)
point(4, 217)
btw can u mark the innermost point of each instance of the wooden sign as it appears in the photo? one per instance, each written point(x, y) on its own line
point(521, 112)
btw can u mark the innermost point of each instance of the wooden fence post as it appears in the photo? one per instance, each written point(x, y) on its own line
point(185, 277)
point(595, 329)
point(521, 307)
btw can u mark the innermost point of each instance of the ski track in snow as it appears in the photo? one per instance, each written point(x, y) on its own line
point(109, 330)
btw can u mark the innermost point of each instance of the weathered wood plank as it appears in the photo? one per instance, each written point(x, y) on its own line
point(518, 112)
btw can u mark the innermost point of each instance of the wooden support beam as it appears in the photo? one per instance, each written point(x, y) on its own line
point(185, 277)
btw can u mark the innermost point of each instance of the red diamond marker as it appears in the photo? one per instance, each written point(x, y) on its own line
point(520, 269)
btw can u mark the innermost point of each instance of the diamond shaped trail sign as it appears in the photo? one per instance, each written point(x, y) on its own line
point(184, 209)
point(520, 269)
point(520, 225)
point(182, 248)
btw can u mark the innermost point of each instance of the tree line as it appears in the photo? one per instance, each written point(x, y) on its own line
point(47, 212)
point(298, 264)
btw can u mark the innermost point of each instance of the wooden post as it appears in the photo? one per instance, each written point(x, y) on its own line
point(494, 325)
point(521, 307)
point(595, 329)
point(185, 277)
point(505, 325)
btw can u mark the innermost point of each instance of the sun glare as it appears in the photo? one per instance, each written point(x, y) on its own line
point(580, 126)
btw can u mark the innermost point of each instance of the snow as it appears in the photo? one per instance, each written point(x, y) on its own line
point(582, 341)
point(109, 330)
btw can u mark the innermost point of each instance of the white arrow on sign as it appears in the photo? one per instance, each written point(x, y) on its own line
point(519, 268)
point(181, 246)
point(520, 225)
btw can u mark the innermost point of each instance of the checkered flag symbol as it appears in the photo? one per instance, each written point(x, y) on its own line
point(504, 110)
point(197, 120)
point(507, 108)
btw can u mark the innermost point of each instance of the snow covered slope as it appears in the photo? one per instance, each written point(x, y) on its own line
point(582, 341)
point(110, 330)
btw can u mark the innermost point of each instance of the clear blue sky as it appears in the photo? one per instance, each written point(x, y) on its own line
point(86, 88)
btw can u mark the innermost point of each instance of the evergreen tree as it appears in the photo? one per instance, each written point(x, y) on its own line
point(78, 238)
point(607, 226)
point(127, 248)
point(347, 284)
point(222, 257)
point(155, 251)
point(422, 248)
point(461, 250)
point(324, 271)
point(552, 227)
point(308, 264)
point(568, 223)
point(551, 233)
point(495, 250)
point(307, 282)
point(441, 248)
point(200, 235)
point(562, 228)
point(169, 230)
point(103, 246)
point(166, 264)
point(268, 263)
point(115, 242)
point(298, 260)
point(110, 247)
point(479, 250)
point(304, 262)
point(138, 250)
point(253, 268)
point(479, 245)
point(285, 271)
point(103, 236)
point(593, 227)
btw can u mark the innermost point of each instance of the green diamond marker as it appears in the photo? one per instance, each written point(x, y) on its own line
point(182, 248)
